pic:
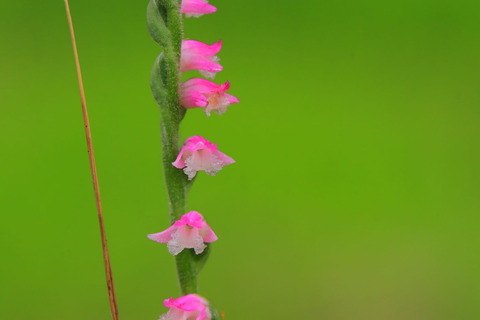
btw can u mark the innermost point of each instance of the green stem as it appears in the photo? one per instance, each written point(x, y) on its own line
point(174, 21)
point(187, 271)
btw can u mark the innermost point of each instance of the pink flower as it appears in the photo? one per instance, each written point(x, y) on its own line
point(197, 8)
point(189, 307)
point(190, 232)
point(197, 55)
point(199, 154)
point(201, 93)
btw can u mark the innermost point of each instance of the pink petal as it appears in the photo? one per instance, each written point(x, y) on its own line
point(208, 234)
point(196, 143)
point(201, 85)
point(224, 158)
point(204, 314)
point(197, 7)
point(193, 219)
point(201, 48)
point(178, 163)
point(198, 62)
point(224, 87)
point(164, 236)
point(192, 98)
point(232, 99)
point(174, 314)
point(190, 302)
point(196, 140)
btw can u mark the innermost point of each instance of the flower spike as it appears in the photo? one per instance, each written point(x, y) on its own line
point(199, 154)
point(190, 232)
point(191, 307)
point(202, 93)
point(197, 8)
point(197, 55)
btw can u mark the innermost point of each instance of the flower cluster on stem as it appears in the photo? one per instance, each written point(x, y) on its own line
point(189, 236)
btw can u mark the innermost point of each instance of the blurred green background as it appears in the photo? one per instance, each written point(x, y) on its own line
point(356, 192)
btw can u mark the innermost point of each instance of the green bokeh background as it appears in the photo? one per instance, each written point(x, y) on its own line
point(356, 192)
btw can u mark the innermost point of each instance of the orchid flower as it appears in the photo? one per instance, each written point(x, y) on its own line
point(190, 232)
point(201, 93)
point(189, 307)
point(199, 154)
point(197, 55)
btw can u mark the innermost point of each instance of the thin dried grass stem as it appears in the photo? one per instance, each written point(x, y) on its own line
point(93, 169)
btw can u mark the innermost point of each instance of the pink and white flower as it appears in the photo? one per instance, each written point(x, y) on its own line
point(202, 93)
point(189, 307)
point(196, 8)
point(190, 232)
point(200, 56)
point(199, 154)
